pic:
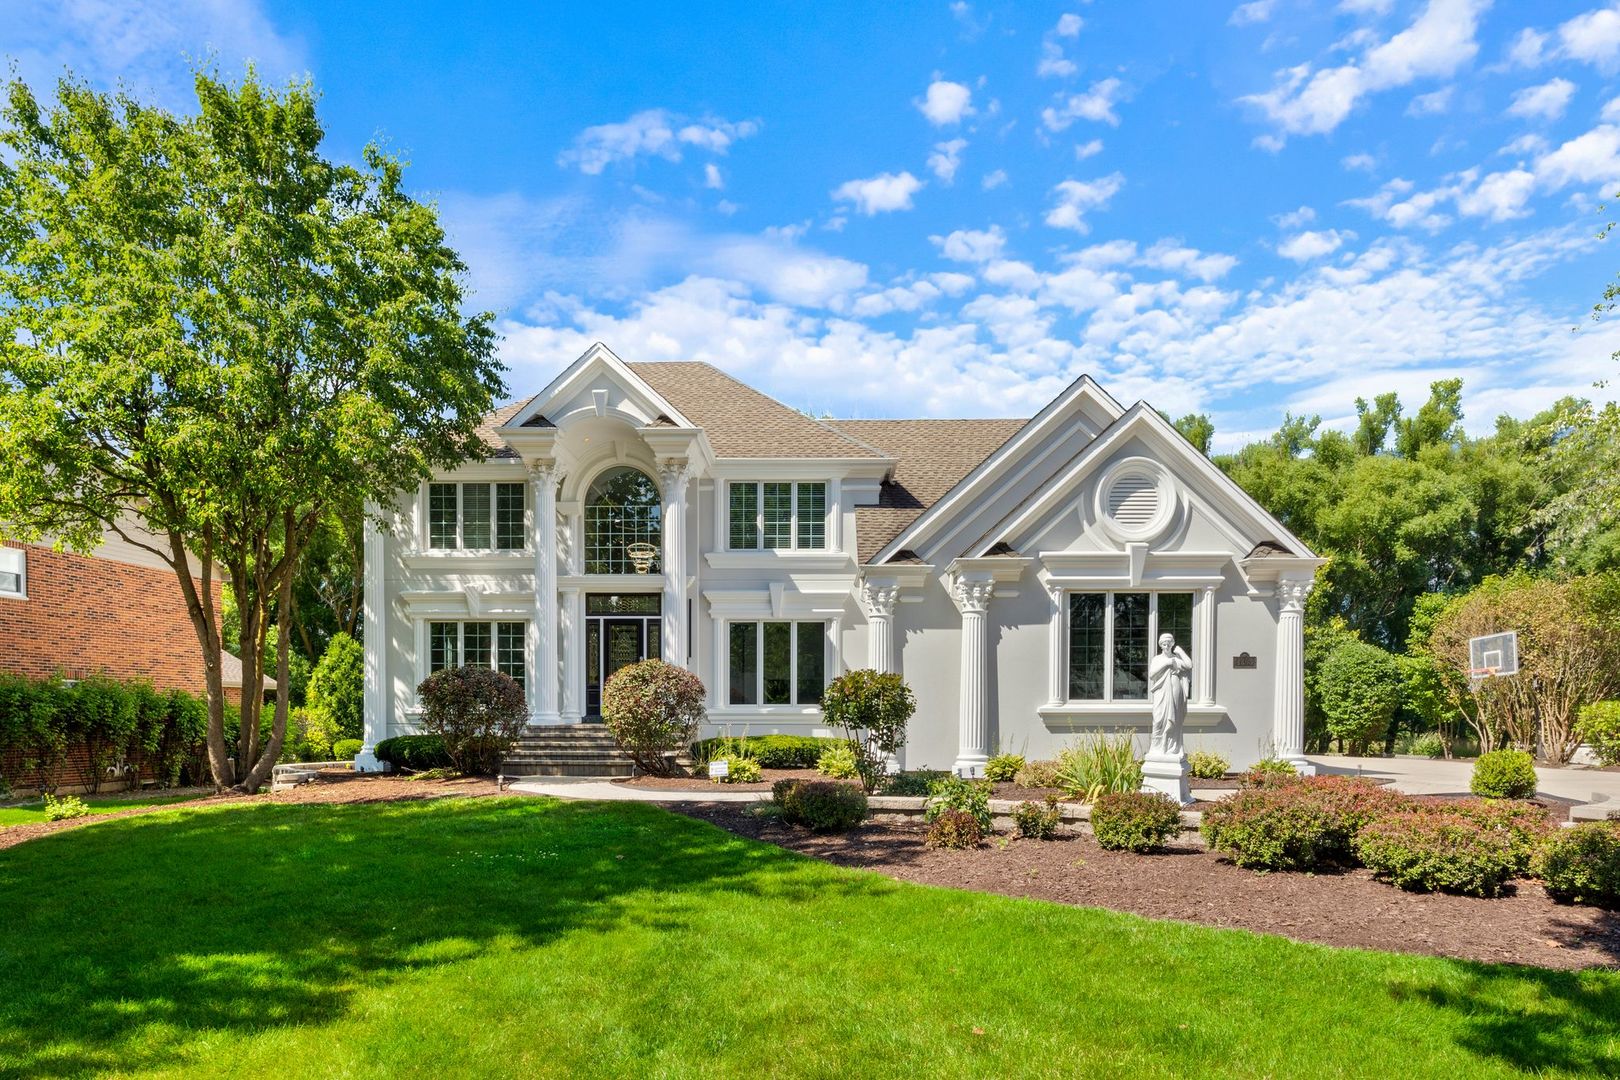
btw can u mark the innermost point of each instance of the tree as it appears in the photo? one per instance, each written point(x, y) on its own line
point(654, 710)
point(330, 583)
point(1196, 428)
point(210, 336)
point(873, 708)
point(1360, 687)
point(337, 687)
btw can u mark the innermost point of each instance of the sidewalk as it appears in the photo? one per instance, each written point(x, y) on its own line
point(578, 787)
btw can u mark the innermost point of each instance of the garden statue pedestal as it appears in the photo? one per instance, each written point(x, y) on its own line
point(1168, 774)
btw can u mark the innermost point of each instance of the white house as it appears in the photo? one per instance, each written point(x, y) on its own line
point(1016, 572)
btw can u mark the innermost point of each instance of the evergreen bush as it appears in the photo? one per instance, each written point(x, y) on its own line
point(1504, 774)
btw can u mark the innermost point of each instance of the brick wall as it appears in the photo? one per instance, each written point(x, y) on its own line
point(87, 616)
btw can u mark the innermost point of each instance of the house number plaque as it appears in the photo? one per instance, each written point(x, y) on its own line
point(1245, 662)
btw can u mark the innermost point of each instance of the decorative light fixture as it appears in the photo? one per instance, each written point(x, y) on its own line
point(641, 556)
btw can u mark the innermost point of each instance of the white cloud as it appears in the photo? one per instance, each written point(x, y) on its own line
point(1527, 49)
point(1068, 25)
point(993, 180)
point(1189, 262)
point(1545, 102)
point(651, 133)
point(1359, 162)
point(1054, 65)
point(1439, 41)
point(1528, 144)
point(1588, 158)
point(968, 245)
point(1087, 149)
point(1366, 7)
point(1305, 246)
point(946, 158)
point(1096, 104)
point(1430, 104)
point(1593, 38)
point(1256, 11)
point(1076, 198)
point(879, 194)
point(712, 177)
point(1499, 196)
point(946, 103)
point(1295, 218)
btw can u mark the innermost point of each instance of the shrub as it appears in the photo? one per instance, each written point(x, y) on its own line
point(952, 793)
point(68, 806)
point(101, 715)
point(1003, 768)
point(1358, 688)
point(1599, 728)
point(1525, 824)
point(653, 709)
point(1038, 821)
point(346, 749)
point(1038, 774)
point(1098, 765)
point(337, 688)
point(914, 784)
point(1434, 851)
point(740, 769)
point(1504, 774)
point(820, 805)
point(415, 752)
point(873, 708)
point(1581, 865)
point(771, 751)
point(838, 762)
point(1270, 829)
point(1267, 772)
point(1429, 744)
point(1135, 820)
point(956, 829)
point(1207, 765)
point(478, 712)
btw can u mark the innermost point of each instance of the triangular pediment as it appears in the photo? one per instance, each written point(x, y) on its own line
point(597, 384)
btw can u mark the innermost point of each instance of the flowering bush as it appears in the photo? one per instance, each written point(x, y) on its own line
point(1504, 774)
point(1431, 850)
point(653, 709)
point(477, 711)
point(1135, 820)
point(954, 829)
point(1581, 865)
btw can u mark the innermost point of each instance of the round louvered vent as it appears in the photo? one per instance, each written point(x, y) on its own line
point(1136, 500)
point(1133, 501)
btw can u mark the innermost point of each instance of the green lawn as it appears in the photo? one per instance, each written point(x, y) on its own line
point(529, 937)
point(32, 813)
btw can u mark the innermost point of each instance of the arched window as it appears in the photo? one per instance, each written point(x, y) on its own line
point(622, 512)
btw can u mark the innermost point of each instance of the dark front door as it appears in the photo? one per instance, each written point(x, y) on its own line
point(613, 641)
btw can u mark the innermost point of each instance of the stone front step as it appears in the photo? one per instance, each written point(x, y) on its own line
point(604, 769)
point(567, 750)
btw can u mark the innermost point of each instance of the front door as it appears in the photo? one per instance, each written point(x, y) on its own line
point(614, 638)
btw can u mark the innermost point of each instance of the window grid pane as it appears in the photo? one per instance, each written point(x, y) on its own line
point(778, 663)
point(1175, 618)
point(744, 663)
point(441, 515)
point(812, 515)
point(812, 659)
point(778, 516)
point(10, 582)
point(475, 644)
point(1087, 638)
point(624, 509)
point(509, 650)
point(509, 500)
point(475, 516)
point(744, 516)
point(442, 646)
point(1131, 646)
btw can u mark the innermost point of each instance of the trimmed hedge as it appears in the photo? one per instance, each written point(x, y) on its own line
point(415, 752)
point(771, 751)
point(1581, 865)
point(1134, 821)
point(346, 749)
point(820, 805)
point(1297, 824)
point(1504, 774)
point(1432, 850)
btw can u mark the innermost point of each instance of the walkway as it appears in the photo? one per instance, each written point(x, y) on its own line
point(571, 787)
point(1425, 776)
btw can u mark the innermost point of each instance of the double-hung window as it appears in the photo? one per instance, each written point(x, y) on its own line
point(1112, 639)
point(476, 517)
point(498, 645)
point(777, 515)
point(777, 663)
point(13, 571)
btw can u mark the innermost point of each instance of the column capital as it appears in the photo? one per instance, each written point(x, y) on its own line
point(972, 597)
point(674, 472)
point(544, 470)
point(1291, 594)
point(879, 600)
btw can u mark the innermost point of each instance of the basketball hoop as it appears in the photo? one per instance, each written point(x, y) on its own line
point(641, 556)
point(1493, 656)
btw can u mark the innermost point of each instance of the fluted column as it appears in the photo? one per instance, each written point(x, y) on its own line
point(879, 601)
point(973, 736)
point(376, 701)
point(1289, 705)
point(543, 480)
point(1204, 649)
point(675, 475)
point(1057, 668)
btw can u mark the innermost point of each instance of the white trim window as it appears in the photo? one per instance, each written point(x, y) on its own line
point(498, 645)
point(776, 663)
point(1112, 637)
point(14, 572)
point(476, 517)
point(777, 515)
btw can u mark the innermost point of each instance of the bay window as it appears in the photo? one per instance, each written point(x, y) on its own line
point(1112, 639)
point(777, 663)
point(476, 517)
point(777, 515)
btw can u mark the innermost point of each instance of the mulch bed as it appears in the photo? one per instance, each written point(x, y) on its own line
point(1190, 884)
point(332, 786)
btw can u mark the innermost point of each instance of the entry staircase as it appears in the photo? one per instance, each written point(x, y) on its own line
point(567, 750)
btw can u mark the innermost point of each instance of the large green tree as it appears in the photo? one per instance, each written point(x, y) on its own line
point(211, 335)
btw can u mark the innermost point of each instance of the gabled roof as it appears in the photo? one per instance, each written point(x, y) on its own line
point(741, 422)
point(932, 457)
point(493, 420)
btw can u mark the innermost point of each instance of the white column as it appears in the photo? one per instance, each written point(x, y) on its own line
point(879, 601)
point(1204, 649)
point(1289, 706)
point(377, 698)
point(973, 736)
point(675, 475)
point(1057, 691)
point(573, 655)
point(543, 477)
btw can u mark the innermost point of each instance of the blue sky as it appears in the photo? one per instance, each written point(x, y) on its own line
point(954, 209)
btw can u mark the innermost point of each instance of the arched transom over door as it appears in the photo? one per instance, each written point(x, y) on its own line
point(623, 511)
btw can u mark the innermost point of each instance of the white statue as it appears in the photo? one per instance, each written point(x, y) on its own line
point(1169, 683)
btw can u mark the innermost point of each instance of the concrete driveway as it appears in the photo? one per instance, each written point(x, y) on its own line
point(1425, 776)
